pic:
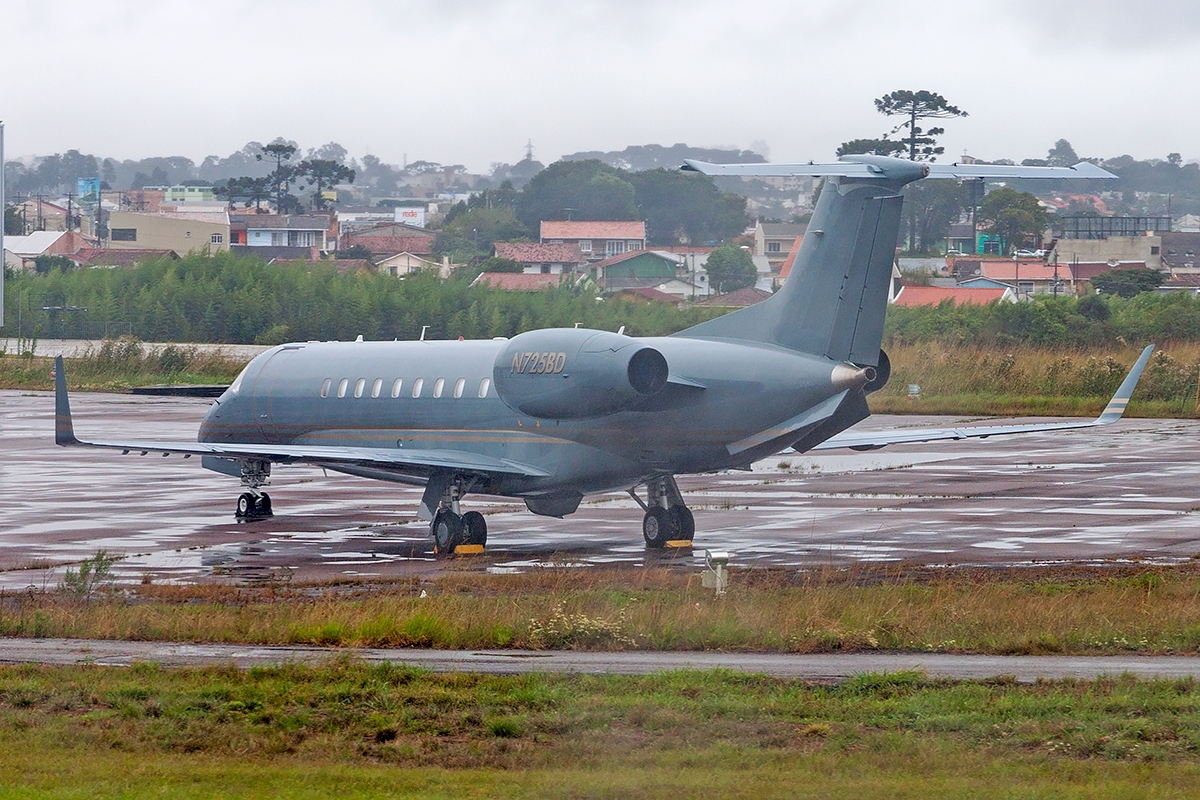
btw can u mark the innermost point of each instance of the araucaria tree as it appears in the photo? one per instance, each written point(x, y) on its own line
point(916, 106)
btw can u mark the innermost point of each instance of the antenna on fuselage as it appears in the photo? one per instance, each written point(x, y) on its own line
point(423, 329)
point(621, 331)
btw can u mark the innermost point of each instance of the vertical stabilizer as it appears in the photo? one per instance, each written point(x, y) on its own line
point(834, 302)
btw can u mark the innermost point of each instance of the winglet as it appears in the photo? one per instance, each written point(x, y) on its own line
point(1116, 406)
point(64, 432)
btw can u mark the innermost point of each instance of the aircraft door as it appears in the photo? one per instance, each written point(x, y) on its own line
point(265, 385)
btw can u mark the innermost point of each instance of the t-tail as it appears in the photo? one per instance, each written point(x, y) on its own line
point(835, 299)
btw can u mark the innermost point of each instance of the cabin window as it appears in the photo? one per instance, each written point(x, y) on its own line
point(359, 386)
point(484, 385)
point(459, 385)
point(438, 385)
point(325, 387)
point(397, 386)
point(376, 387)
point(417, 384)
point(342, 384)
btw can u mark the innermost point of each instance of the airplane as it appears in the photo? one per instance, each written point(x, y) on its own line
point(551, 415)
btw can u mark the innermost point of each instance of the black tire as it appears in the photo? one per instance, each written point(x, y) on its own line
point(658, 527)
point(447, 532)
point(685, 523)
point(474, 528)
point(264, 505)
point(245, 505)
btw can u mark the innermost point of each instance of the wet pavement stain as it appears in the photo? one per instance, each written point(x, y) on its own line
point(1128, 491)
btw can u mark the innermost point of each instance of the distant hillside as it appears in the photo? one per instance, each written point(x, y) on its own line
point(637, 158)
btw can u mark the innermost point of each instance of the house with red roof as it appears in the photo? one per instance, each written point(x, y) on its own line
point(538, 257)
point(596, 239)
point(958, 295)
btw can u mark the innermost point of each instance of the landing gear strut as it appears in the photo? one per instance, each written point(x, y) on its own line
point(254, 503)
point(668, 522)
point(451, 528)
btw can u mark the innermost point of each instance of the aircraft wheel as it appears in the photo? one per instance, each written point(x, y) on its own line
point(658, 528)
point(685, 523)
point(475, 528)
point(447, 532)
point(264, 506)
point(245, 505)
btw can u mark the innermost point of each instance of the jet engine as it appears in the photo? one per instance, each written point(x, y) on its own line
point(574, 373)
point(882, 372)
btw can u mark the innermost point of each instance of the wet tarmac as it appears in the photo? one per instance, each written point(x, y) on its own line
point(1130, 491)
point(831, 667)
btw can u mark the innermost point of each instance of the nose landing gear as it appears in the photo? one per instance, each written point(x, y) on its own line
point(668, 522)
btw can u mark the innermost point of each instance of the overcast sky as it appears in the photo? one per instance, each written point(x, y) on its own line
point(469, 81)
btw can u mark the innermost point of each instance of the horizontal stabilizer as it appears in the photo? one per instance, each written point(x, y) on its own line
point(882, 167)
point(875, 440)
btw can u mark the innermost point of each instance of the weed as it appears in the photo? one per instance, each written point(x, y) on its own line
point(93, 574)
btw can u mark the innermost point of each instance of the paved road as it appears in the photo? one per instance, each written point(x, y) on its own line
point(822, 667)
point(1129, 491)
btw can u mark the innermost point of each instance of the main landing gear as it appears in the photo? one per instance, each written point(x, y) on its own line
point(452, 529)
point(668, 522)
point(254, 503)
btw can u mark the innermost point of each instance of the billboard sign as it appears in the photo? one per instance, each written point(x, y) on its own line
point(88, 190)
point(411, 216)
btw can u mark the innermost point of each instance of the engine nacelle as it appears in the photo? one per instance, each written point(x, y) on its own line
point(574, 373)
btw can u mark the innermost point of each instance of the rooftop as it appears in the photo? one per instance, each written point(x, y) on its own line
point(934, 295)
point(33, 244)
point(291, 222)
point(535, 253)
point(517, 281)
point(101, 257)
point(598, 229)
point(783, 230)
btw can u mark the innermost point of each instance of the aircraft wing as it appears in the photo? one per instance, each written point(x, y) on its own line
point(421, 461)
point(874, 440)
point(849, 167)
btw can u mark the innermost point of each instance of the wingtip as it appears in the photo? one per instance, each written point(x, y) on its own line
point(64, 430)
point(1120, 399)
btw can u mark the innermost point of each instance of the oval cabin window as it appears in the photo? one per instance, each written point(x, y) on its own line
point(376, 387)
point(459, 385)
point(342, 384)
point(359, 386)
point(396, 387)
point(325, 387)
point(417, 384)
point(438, 385)
point(484, 385)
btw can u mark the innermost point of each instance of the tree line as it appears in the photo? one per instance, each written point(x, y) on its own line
point(241, 300)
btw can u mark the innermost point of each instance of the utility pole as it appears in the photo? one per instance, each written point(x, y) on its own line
point(70, 213)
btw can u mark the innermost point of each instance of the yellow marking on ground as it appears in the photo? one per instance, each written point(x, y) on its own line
point(679, 543)
point(468, 549)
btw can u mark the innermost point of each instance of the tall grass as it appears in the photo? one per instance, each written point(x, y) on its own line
point(1148, 611)
point(1031, 380)
point(118, 364)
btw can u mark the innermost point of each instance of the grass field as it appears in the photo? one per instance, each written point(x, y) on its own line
point(120, 364)
point(352, 730)
point(1106, 610)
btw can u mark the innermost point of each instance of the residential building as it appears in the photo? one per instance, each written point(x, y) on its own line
point(960, 295)
point(292, 230)
point(185, 194)
point(775, 240)
point(180, 232)
point(1146, 247)
point(402, 264)
point(383, 247)
point(1179, 249)
point(357, 218)
point(1083, 271)
point(636, 264)
point(42, 215)
point(1184, 282)
point(647, 295)
point(553, 259)
point(597, 240)
point(20, 251)
point(960, 238)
